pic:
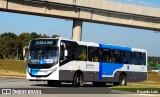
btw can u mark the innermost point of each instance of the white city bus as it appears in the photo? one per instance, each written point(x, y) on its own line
point(57, 60)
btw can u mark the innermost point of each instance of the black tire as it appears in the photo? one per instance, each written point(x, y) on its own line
point(77, 80)
point(122, 80)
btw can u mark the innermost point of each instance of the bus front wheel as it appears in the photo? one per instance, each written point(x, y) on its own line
point(78, 80)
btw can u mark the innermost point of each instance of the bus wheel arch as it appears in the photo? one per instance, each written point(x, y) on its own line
point(78, 78)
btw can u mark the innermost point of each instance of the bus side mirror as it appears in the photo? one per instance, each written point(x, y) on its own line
point(65, 53)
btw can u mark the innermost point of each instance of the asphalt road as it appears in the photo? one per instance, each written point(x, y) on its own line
point(66, 90)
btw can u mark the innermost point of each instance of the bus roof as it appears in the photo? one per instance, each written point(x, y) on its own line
point(99, 44)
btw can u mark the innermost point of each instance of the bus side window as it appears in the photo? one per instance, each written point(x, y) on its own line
point(137, 58)
point(128, 57)
point(82, 53)
point(106, 55)
point(94, 54)
point(125, 56)
point(70, 47)
point(117, 56)
point(131, 57)
point(144, 58)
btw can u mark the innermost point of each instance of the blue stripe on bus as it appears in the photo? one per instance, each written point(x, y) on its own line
point(114, 47)
point(109, 68)
point(32, 71)
point(100, 70)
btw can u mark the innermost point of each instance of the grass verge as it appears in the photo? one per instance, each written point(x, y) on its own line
point(5, 73)
point(150, 85)
point(12, 68)
point(153, 80)
point(142, 89)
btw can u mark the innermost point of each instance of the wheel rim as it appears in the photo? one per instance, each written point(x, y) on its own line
point(78, 80)
point(123, 82)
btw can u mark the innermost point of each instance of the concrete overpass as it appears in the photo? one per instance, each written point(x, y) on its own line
point(97, 11)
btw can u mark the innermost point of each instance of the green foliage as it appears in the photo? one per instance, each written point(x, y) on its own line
point(8, 44)
point(158, 66)
point(153, 62)
point(11, 43)
point(54, 36)
point(34, 35)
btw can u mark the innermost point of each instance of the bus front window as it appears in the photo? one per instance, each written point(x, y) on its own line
point(48, 54)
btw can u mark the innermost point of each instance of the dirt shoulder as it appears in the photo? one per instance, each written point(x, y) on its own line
point(4, 73)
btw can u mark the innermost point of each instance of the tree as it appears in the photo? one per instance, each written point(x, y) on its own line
point(34, 35)
point(8, 45)
point(25, 37)
point(44, 36)
point(54, 36)
point(11, 44)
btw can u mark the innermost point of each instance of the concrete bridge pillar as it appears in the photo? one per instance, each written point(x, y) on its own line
point(77, 30)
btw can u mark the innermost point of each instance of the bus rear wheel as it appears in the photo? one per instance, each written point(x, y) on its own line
point(122, 81)
point(78, 80)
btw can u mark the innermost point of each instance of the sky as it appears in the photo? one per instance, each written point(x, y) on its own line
point(149, 3)
point(92, 32)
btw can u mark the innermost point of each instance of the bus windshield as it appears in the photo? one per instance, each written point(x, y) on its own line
point(43, 54)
